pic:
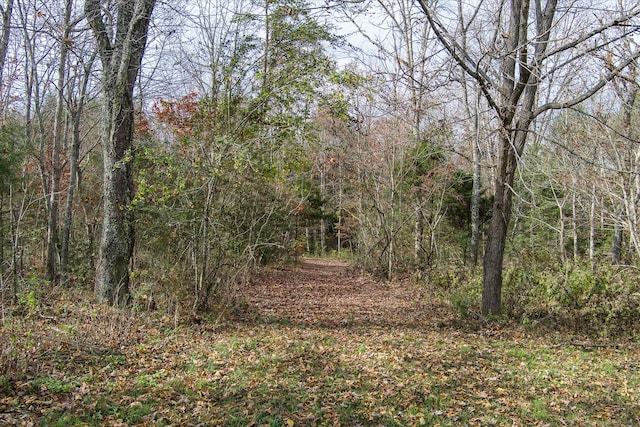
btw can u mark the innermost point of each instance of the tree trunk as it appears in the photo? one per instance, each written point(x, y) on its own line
point(4, 45)
point(592, 227)
point(73, 171)
point(616, 247)
point(418, 237)
point(561, 236)
point(56, 166)
point(121, 59)
point(117, 237)
point(574, 225)
point(323, 221)
point(2, 239)
point(475, 196)
point(497, 232)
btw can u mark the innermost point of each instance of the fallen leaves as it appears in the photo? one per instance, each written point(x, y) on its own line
point(323, 348)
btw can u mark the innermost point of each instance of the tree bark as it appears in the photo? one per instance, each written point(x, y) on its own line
point(616, 247)
point(6, 13)
point(418, 237)
point(4, 44)
point(498, 226)
point(121, 60)
point(592, 226)
point(56, 166)
point(475, 192)
point(74, 156)
point(574, 224)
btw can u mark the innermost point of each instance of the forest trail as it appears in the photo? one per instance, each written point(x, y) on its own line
point(328, 293)
point(319, 345)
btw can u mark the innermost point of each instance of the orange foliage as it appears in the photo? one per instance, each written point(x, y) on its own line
point(178, 114)
point(142, 126)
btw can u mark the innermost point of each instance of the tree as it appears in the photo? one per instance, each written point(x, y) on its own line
point(120, 50)
point(5, 15)
point(531, 44)
point(7, 163)
point(58, 136)
point(76, 113)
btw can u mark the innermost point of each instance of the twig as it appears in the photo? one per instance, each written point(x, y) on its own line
point(584, 345)
point(47, 317)
point(478, 316)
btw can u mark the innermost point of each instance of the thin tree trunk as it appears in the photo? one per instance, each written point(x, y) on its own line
point(4, 45)
point(592, 226)
point(2, 239)
point(323, 225)
point(574, 225)
point(561, 236)
point(475, 193)
point(56, 166)
point(616, 247)
point(73, 171)
point(418, 237)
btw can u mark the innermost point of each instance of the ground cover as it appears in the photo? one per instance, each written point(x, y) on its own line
point(316, 345)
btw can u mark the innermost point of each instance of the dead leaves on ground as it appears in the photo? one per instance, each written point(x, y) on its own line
point(323, 348)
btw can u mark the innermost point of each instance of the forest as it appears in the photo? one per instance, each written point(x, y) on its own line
point(305, 212)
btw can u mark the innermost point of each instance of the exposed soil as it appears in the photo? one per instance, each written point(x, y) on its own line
point(326, 293)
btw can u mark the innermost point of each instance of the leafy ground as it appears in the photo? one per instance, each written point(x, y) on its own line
point(316, 346)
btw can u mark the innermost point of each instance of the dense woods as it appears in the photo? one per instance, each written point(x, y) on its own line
point(172, 161)
point(494, 143)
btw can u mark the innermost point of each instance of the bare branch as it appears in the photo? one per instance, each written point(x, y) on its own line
point(574, 43)
point(591, 91)
point(461, 57)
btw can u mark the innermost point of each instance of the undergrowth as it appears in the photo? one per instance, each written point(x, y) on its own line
point(601, 300)
point(70, 362)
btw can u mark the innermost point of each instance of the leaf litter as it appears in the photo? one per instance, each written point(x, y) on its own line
point(318, 345)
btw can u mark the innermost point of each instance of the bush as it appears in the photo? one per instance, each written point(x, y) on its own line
point(460, 286)
point(600, 299)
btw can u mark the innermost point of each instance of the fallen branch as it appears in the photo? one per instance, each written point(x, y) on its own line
point(584, 345)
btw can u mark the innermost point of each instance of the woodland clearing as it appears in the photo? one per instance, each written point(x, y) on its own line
point(315, 344)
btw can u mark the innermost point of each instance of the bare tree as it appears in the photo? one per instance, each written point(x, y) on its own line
point(531, 42)
point(76, 112)
point(5, 15)
point(58, 136)
point(121, 49)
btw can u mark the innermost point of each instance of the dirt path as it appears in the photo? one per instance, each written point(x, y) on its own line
point(324, 293)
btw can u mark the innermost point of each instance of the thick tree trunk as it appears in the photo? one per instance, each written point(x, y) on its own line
point(121, 59)
point(497, 232)
point(117, 238)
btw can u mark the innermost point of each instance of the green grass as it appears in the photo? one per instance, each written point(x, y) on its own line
point(282, 375)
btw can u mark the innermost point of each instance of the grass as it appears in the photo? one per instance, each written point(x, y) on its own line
point(122, 368)
point(284, 375)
